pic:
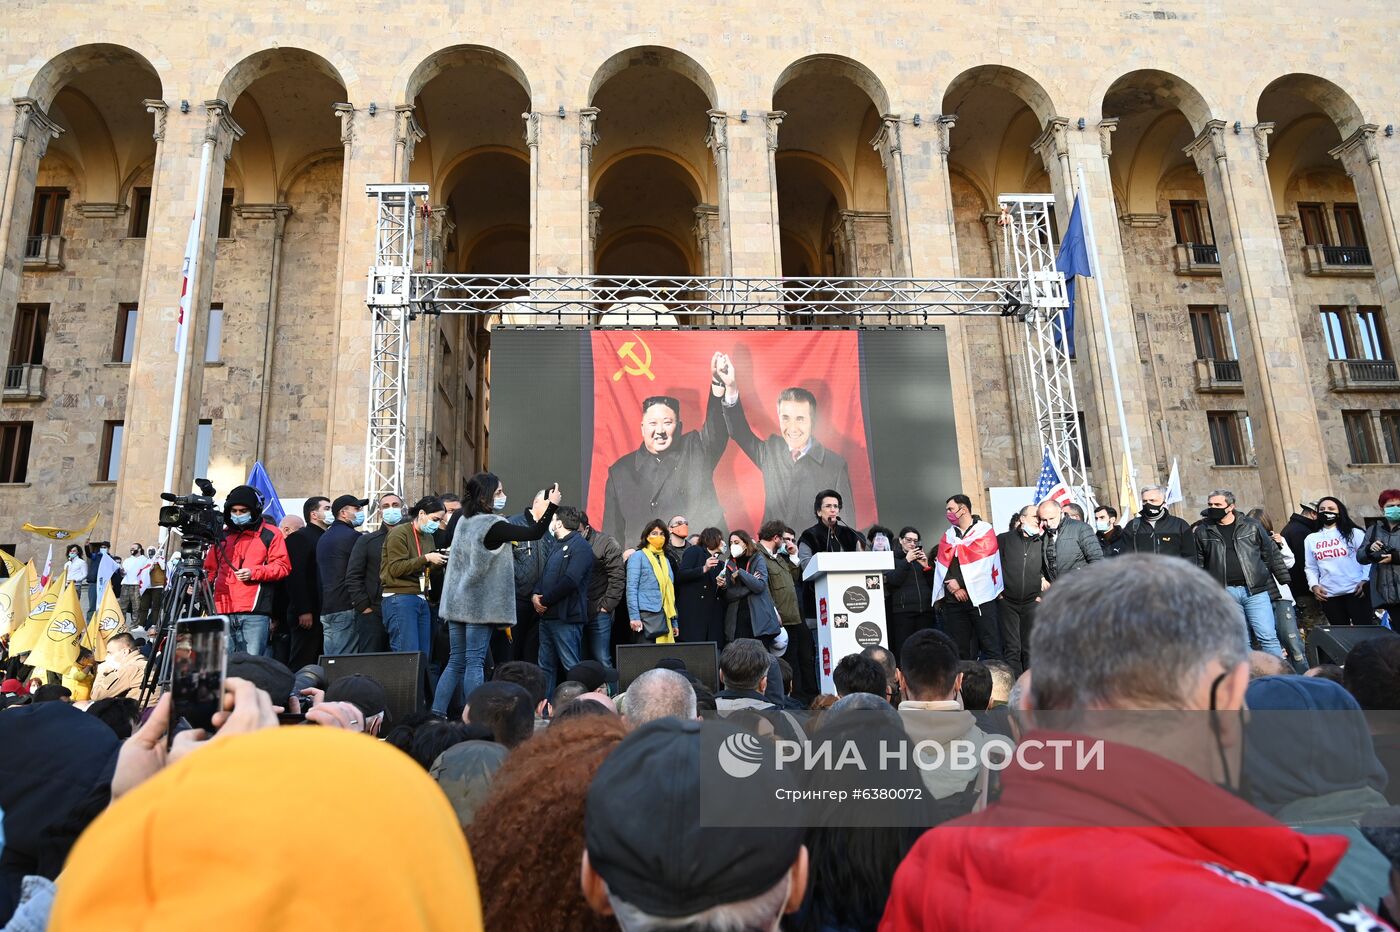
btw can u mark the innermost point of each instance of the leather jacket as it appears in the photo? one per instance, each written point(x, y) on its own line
point(1258, 554)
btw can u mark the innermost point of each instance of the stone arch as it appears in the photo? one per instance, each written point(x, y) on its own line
point(1012, 80)
point(1151, 89)
point(269, 61)
point(289, 177)
point(1329, 99)
point(655, 56)
point(653, 245)
point(60, 70)
point(841, 66)
point(457, 56)
point(89, 144)
point(447, 177)
point(684, 170)
point(831, 175)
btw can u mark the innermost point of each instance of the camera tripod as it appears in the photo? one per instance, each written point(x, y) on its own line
point(188, 595)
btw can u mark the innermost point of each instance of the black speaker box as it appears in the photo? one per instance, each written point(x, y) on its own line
point(701, 660)
point(401, 675)
point(1332, 643)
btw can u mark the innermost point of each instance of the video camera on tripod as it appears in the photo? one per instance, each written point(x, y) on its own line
point(196, 517)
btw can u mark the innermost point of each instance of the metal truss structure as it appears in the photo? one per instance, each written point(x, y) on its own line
point(1030, 256)
point(1034, 293)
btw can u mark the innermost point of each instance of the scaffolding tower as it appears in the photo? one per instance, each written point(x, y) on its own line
point(1034, 293)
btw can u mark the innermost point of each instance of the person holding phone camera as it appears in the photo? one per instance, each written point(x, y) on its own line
point(651, 588)
point(409, 553)
point(479, 592)
point(1380, 550)
point(909, 589)
point(250, 556)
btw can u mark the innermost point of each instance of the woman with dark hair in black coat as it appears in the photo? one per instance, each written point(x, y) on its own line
point(699, 605)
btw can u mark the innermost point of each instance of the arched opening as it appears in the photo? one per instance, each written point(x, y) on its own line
point(1167, 224)
point(1334, 237)
point(78, 231)
point(274, 291)
point(832, 189)
point(654, 205)
point(468, 101)
point(999, 114)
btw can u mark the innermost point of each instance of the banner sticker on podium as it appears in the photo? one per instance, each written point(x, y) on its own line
point(856, 599)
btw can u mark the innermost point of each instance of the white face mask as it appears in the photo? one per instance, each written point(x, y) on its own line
point(736, 550)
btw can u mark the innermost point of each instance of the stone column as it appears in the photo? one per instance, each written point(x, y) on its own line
point(151, 391)
point(1361, 157)
point(717, 141)
point(31, 132)
point(1273, 358)
point(709, 239)
point(887, 143)
point(377, 149)
point(583, 187)
point(1064, 152)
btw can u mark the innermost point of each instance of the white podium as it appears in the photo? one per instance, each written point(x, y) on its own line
point(850, 591)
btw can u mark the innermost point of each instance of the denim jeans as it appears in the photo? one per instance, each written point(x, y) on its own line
point(409, 623)
point(1259, 617)
point(369, 637)
point(597, 635)
point(1286, 623)
point(559, 647)
point(248, 633)
point(466, 663)
point(339, 628)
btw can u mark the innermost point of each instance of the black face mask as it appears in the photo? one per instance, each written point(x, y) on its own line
point(1328, 518)
point(1214, 515)
point(1152, 511)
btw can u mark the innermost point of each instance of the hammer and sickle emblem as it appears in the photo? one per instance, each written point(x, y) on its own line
point(631, 364)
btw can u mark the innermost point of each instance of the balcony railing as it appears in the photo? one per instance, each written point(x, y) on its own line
point(1219, 376)
point(1197, 259)
point(1337, 260)
point(44, 252)
point(1363, 375)
point(24, 382)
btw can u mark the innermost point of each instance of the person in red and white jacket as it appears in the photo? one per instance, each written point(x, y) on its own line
point(966, 583)
point(250, 557)
point(1335, 576)
point(1147, 833)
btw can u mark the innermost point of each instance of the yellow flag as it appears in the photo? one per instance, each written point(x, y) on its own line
point(14, 603)
point(107, 622)
point(58, 533)
point(12, 566)
point(26, 635)
point(1127, 495)
point(32, 582)
point(57, 646)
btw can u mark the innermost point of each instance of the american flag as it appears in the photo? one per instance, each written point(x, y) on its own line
point(1050, 486)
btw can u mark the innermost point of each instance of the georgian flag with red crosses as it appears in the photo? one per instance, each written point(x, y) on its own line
point(978, 558)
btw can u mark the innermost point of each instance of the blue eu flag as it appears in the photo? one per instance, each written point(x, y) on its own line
point(272, 505)
point(1073, 260)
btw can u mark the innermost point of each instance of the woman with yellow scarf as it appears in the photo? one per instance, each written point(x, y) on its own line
point(651, 588)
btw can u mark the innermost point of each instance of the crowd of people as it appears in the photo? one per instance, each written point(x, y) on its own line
point(530, 788)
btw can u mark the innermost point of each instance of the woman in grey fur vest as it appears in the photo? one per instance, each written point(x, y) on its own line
point(478, 590)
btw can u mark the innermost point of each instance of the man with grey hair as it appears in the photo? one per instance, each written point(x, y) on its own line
point(1241, 555)
point(658, 693)
point(653, 861)
point(1155, 531)
point(1140, 657)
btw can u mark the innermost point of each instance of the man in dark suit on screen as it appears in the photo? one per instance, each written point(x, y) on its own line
point(794, 463)
point(672, 472)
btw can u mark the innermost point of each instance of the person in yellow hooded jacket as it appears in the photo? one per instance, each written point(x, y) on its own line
point(215, 844)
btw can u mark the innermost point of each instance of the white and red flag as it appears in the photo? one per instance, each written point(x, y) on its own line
point(978, 560)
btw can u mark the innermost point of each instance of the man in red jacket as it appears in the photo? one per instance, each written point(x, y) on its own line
point(243, 566)
point(1144, 656)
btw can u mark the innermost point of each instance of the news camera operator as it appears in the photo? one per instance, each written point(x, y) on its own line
point(249, 556)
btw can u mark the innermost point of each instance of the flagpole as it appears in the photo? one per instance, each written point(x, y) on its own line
point(183, 344)
point(1107, 327)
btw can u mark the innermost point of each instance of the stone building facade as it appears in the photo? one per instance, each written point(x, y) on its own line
point(1241, 167)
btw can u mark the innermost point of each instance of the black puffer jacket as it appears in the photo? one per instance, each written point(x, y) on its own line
point(1170, 535)
point(1022, 559)
point(1385, 577)
point(908, 587)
